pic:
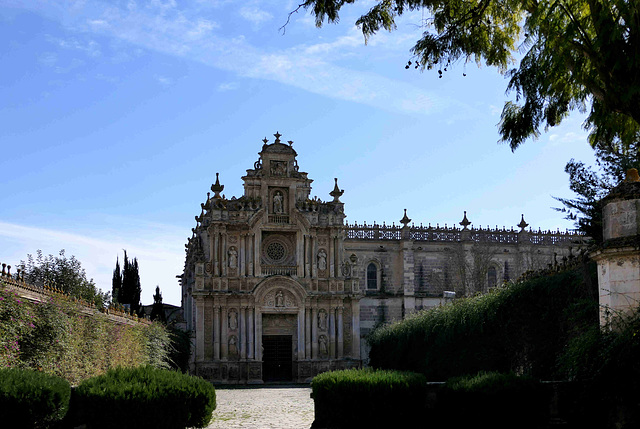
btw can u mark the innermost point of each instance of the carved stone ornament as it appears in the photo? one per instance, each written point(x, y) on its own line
point(322, 259)
point(233, 346)
point(323, 346)
point(233, 257)
point(233, 319)
point(278, 168)
point(279, 298)
point(322, 319)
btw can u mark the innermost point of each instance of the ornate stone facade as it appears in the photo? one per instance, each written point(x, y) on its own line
point(277, 286)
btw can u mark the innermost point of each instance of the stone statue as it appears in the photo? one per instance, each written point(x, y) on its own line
point(322, 260)
point(233, 346)
point(233, 257)
point(322, 320)
point(279, 299)
point(277, 203)
point(322, 342)
point(233, 320)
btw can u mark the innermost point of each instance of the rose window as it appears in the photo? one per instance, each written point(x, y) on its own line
point(276, 251)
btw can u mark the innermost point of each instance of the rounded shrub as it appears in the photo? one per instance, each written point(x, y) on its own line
point(31, 399)
point(144, 397)
point(367, 398)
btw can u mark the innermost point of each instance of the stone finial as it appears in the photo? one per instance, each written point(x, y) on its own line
point(337, 192)
point(277, 135)
point(405, 220)
point(632, 175)
point(217, 187)
point(265, 140)
point(465, 222)
point(522, 225)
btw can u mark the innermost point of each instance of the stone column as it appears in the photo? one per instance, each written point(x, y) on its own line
point(208, 328)
point(223, 259)
point(251, 330)
point(242, 333)
point(216, 332)
point(307, 325)
point(242, 256)
point(216, 252)
point(340, 334)
point(355, 329)
point(258, 339)
point(199, 330)
point(314, 331)
point(619, 259)
point(301, 329)
point(314, 262)
point(330, 256)
point(223, 337)
point(332, 332)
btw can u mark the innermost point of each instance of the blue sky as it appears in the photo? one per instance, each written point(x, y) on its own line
point(115, 117)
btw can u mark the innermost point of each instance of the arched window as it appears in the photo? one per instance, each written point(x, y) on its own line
point(372, 276)
point(492, 277)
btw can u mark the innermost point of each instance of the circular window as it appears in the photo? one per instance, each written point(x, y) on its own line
point(276, 251)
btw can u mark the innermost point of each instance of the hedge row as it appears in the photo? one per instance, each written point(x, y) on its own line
point(520, 327)
point(367, 398)
point(123, 398)
point(385, 399)
point(56, 338)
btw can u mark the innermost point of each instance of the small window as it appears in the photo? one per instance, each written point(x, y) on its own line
point(372, 276)
point(492, 277)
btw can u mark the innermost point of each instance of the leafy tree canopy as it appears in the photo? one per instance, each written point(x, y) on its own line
point(63, 273)
point(125, 284)
point(575, 54)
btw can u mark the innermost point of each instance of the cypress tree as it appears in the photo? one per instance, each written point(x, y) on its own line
point(130, 288)
point(116, 283)
point(157, 311)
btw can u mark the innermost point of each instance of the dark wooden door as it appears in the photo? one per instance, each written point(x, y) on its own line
point(277, 357)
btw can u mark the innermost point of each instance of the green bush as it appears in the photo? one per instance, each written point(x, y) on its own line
point(367, 398)
point(144, 397)
point(30, 399)
point(494, 400)
point(521, 327)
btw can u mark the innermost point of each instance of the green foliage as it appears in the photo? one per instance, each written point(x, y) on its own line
point(30, 399)
point(62, 273)
point(57, 338)
point(577, 54)
point(157, 310)
point(522, 400)
point(180, 350)
point(605, 364)
point(126, 285)
point(521, 327)
point(378, 395)
point(145, 397)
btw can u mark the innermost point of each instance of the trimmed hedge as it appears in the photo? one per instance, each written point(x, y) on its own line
point(367, 398)
point(30, 399)
point(494, 400)
point(144, 397)
point(522, 327)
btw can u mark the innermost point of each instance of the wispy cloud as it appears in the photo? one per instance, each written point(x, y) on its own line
point(183, 31)
point(255, 15)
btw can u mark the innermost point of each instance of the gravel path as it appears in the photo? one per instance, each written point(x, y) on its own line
point(281, 407)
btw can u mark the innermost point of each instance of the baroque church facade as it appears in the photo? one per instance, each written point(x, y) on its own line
point(277, 287)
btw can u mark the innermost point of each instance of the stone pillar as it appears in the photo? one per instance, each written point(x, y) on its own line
point(208, 329)
point(199, 330)
point(251, 330)
point(340, 333)
point(330, 256)
point(307, 326)
point(301, 329)
point(355, 329)
point(258, 339)
point(216, 253)
point(242, 256)
point(224, 345)
point(242, 330)
point(619, 259)
point(314, 331)
point(216, 332)
point(332, 332)
point(224, 258)
point(314, 261)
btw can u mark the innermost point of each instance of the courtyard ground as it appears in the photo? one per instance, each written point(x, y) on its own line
point(281, 407)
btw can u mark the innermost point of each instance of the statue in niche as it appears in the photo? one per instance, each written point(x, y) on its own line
point(279, 299)
point(322, 320)
point(233, 320)
point(277, 203)
point(322, 342)
point(233, 257)
point(233, 346)
point(322, 260)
